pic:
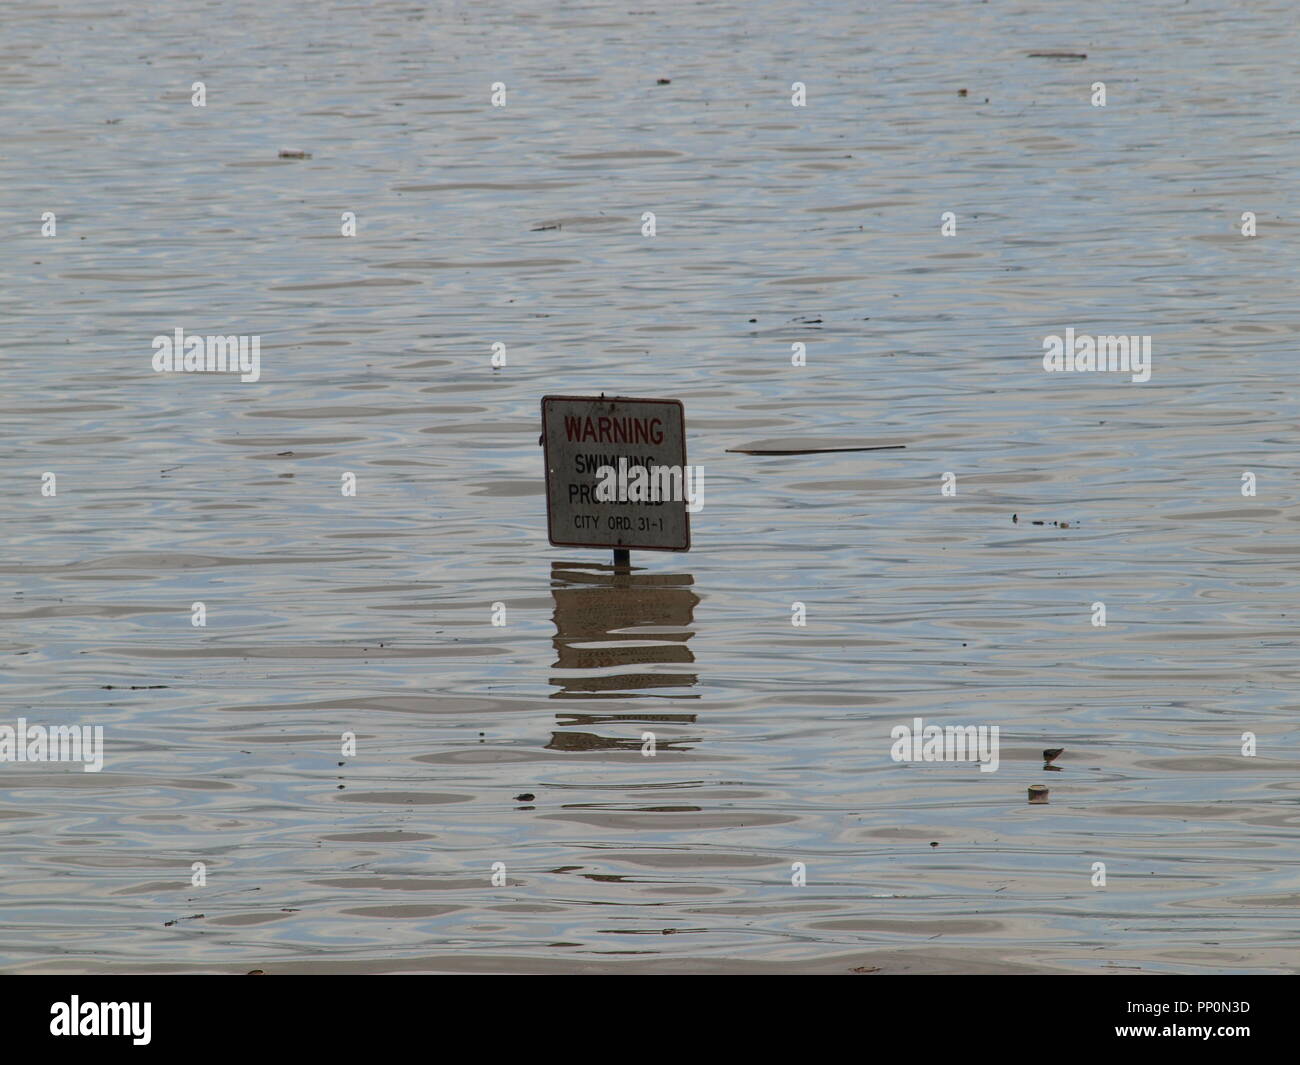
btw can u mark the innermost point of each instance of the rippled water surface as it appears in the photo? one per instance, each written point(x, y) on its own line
point(775, 225)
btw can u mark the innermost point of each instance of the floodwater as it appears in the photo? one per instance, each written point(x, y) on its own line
point(775, 225)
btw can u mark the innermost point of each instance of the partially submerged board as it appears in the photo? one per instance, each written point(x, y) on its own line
point(582, 434)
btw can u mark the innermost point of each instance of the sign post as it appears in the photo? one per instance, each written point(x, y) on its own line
point(616, 474)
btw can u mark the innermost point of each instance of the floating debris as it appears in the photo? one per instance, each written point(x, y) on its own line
point(810, 450)
point(527, 796)
point(664, 81)
point(294, 153)
point(866, 969)
point(1038, 793)
point(541, 229)
point(1058, 55)
point(961, 92)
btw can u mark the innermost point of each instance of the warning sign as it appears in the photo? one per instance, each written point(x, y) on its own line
point(616, 473)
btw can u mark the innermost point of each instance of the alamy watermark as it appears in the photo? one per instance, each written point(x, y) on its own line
point(919, 742)
point(638, 483)
point(55, 743)
point(208, 354)
point(75, 1017)
point(1122, 354)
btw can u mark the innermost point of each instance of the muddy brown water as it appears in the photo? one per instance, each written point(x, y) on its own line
point(372, 614)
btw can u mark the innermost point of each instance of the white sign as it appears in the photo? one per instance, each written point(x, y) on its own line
point(637, 502)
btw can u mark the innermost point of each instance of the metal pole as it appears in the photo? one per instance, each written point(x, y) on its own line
point(622, 557)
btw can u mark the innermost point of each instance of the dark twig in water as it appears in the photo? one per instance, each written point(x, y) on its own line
point(811, 450)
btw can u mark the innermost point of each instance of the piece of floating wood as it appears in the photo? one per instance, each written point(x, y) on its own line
point(1057, 55)
point(810, 450)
